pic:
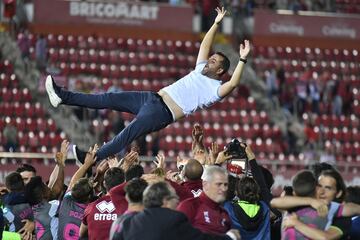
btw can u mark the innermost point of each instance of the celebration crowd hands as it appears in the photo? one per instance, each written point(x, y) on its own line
point(207, 156)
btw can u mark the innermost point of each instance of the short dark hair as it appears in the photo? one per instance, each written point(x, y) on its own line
point(113, 177)
point(304, 184)
point(225, 63)
point(317, 168)
point(134, 190)
point(193, 170)
point(26, 167)
point(82, 191)
point(288, 190)
point(14, 182)
point(155, 194)
point(248, 190)
point(35, 191)
point(340, 184)
point(135, 171)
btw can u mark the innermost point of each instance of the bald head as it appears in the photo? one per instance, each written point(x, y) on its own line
point(193, 170)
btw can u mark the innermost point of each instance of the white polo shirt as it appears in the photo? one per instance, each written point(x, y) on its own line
point(194, 90)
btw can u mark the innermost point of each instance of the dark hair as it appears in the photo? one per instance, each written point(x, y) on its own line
point(248, 190)
point(134, 190)
point(340, 185)
point(304, 184)
point(113, 177)
point(352, 194)
point(82, 191)
point(155, 194)
point(14, 182)
point(193, 170)
point(268, 177)
point(35, 191)
point(225, 63)
point(135, 171)
point(231, 187)
point(26, 167)
point(317, 168)
point(288, 190)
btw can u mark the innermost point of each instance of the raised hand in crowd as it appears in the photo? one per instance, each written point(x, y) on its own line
point(173, 176)
point(160, 161)
point(62, 155)
point(202, 156)
point(222, 157)
point(151, 178)
point(129, 160)
point(90, 160)
point(213, 153)
point(99, 175)
point(198, 138)
point(113, 162)
point(57, 177)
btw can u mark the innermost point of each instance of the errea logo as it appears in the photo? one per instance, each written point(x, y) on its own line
point(105, 206)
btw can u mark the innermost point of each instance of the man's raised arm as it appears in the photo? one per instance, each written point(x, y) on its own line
point(228, 86)
point(206, 43)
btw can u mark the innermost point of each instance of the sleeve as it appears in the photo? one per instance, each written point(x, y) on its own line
point(187, 207)
point(118, 193)
point(180, 190)
point(54, 208)
point(8, 216)
point(187, 231)
point(200, 65)
point(265, 193)
point(86, 214)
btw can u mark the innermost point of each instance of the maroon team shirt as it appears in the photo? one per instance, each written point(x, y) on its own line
point(117, 195)
point(188, 189)
point(206, 215)
point(99, 216)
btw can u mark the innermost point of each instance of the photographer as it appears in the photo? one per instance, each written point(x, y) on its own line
point(249, 210)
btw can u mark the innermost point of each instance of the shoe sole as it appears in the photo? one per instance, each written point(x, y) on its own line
point(77, 162)
point(53, 97)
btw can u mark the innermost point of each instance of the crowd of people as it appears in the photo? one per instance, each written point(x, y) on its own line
point(211, 195)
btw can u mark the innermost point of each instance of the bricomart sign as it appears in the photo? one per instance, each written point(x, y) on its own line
point(114, 10)
point(124, 13)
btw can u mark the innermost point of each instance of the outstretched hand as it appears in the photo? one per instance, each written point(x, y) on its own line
point(197, 133)
point(244, 49)
point(160, 161)
point(220, 14)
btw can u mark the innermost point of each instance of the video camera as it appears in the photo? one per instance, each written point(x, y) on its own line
point(238, 164)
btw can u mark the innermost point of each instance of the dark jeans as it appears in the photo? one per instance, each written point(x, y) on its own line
point(151, 114)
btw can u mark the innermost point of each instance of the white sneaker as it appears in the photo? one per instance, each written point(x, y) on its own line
point(50, 86)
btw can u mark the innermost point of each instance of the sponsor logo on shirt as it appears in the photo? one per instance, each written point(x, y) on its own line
point(206, 217)
point(196, 193)
point(105, 208)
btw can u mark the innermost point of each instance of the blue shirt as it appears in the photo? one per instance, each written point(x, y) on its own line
point(263, 230)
